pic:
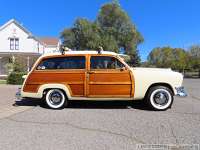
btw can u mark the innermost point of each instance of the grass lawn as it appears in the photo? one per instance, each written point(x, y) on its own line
point(2, 81)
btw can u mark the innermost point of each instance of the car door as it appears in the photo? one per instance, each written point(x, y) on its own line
point(108, 77)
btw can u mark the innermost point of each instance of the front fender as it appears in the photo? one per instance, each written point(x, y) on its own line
point(145, 77)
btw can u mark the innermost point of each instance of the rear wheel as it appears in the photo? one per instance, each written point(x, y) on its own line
point(55, 99)
point(160, 98)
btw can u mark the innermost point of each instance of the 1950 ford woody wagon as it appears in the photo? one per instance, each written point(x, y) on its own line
point(90, 75)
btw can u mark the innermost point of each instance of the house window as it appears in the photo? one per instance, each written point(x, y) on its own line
point(14, 44)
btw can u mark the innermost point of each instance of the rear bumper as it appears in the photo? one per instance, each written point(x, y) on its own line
point(21, 94)
point(181, 91)
point(18, 95)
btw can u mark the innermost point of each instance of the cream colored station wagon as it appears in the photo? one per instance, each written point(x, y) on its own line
point(98, 75)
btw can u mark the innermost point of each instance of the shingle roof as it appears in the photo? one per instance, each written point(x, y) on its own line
point(49, 40)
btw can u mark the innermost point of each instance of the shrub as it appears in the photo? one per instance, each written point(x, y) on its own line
point(18, 66)
point(9, 67)
point(15, 78)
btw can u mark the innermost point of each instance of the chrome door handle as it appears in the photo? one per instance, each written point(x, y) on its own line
point(91, 72)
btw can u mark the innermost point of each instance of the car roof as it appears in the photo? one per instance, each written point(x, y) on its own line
point(80, 52)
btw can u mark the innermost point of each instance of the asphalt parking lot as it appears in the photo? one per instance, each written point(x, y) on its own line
point(97, 125)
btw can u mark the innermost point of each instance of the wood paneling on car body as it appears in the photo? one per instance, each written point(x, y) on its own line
point(110, 83)
point(74, 79)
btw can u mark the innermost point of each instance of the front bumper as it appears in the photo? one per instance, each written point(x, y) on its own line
point(181, 91)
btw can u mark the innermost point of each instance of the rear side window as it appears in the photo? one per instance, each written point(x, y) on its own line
point(71, 62)
point(105, 62)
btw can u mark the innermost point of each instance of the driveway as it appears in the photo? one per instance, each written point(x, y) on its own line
point(99, 125)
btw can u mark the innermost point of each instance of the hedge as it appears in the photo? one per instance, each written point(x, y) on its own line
point(15, 78)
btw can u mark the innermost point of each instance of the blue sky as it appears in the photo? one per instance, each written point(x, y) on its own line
point(173, 23)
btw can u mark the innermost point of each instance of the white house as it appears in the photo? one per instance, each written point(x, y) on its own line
point(51, 44)
point(16, 42)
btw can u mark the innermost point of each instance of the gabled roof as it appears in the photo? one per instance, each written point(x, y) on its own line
point(17, 24)
point(50, 41)
point(20, 26)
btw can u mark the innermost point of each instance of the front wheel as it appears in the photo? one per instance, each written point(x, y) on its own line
point(55, 99)
point(160, 98)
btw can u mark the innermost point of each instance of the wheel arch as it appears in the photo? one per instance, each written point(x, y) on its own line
point(160, 84)
point(45, 87)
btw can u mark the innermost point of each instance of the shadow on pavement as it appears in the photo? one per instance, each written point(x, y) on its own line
point(28, 102)
point(88, 104)
point(108, 105)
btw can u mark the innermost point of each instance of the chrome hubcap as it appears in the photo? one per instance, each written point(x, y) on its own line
point(55, 98)
point(161, 98)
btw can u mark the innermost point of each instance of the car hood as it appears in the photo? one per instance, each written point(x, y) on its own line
point(156, 72)
point(152, 69)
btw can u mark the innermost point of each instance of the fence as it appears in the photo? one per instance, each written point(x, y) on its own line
point(191, 74)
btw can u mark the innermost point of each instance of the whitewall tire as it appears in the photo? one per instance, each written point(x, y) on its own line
point(160, 98)
point(55, 99)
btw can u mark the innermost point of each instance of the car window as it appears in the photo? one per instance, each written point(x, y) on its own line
point(105, 62)
point(72, 62)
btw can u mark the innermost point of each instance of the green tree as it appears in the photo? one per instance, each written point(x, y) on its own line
point(112, 30)
point(194, 56)
point(167, 57)
point(69, 39)
point(83, 35)
point(180, 59)
point(116, 23)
